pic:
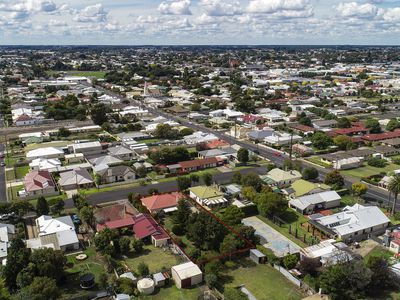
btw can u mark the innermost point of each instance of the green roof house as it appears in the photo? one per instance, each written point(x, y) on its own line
point(303, 187)
point(208, 196)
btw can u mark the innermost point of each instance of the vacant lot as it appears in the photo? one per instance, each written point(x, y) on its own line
point(368, 171)
point(263, 281)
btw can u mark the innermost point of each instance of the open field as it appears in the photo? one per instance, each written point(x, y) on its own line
point(154, 257)
point(97, 74)
point(263, 281)
point(366, 171)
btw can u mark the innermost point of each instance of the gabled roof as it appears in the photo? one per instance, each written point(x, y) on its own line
point(161, 201)
point(206, 192)
point(43, 152)
point(303, 187)
point(38, 180)
point(146, 226)
point(77, 176)
point(116, 224)
point(198, 162)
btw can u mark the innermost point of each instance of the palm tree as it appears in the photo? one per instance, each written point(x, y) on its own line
point(394, 188)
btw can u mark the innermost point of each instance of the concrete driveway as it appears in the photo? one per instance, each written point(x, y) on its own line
point(275, 241)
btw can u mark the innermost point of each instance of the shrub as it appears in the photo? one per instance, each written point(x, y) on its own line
point(178, 229)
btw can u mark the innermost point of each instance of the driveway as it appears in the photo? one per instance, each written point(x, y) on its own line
point(275, 241)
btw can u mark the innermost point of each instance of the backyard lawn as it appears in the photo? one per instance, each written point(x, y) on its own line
point(13, 192)
point(20, 172)
point(71, 288)
point(294, 220)
point(367, 170)
point(156, 259)
point(264, 282)
point(317, 160)
point(48, 144)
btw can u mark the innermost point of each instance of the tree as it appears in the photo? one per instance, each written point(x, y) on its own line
point(143, 269)
point(343, 122)
point(141, 171)
point(4, 293)
point(79, 201)
point(184, 183)
point(87, 215)
point(310, 173)
point(49, 263)
point(249, 193)
point(42, 288)
point(343, 142)
point(309, 265)
point(137, 246)
point(63, 132)
point(253, 180)
point(270, 204)
point(232, 215)
point(124, 245)
point(228, 245)
point(306, 121)
point(194, 178)
point(104, 241)
point(335, 179)
point(165, 131)
point(290, 261)
point(17, 259)
point(181, 215)
point(42, 207)
point(373, 125)
point(321, 140)
point(237, 178)
point(99, 112)
point(382, 274)
point(346, 281)
point(394, 188)
point(392, 125)
point(359, 188)
point(376, 162)
point(207, 178)
point(57, 206)
point(243, 155)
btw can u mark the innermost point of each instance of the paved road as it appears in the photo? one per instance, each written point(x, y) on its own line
point(162, 187)
point(3, 189)
point(374, 193)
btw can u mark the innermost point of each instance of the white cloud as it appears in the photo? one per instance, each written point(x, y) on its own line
point(93, 13)
point(356, 10)
point(392, 14)
point(221, 7)
point(272, 6)
point(176, 7)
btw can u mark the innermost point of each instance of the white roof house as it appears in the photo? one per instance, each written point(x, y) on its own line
point(328, 252)
point(199, 137)
point(47, 152)
point(356, 220)
point(58, 233)
point(307, 203)
point(45, 163)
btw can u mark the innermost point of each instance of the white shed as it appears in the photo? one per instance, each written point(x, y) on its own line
point(186, 275)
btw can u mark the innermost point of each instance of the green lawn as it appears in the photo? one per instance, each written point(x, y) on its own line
point(10, 175)
point(173, 293)
point(149, 141)
point(294, 220)
point(380, 251)
point(20, 172)
point(264, 282)
point(12, 192)
point(366, 171)
point(317, 160)
point(48, 144)
point(93, 191)
point(70, 288)
point(348, 200)
point(98, 74)
point(156, 259)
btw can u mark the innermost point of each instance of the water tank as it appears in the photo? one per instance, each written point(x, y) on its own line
point(146, 286)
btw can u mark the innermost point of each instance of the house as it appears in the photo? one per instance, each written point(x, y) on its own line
point(260, 135)
point(354, 223)
point(87, 149)
point(46, 152)
point(133, 136)
point(115, 215)
point(208, 196)
point(302, 150)
point(328, 252)
point(57, 233)
point(75, 179)
point(24, 120)
point(39, 183)
point(106, 160)
point(282, 139)
point(164, 202)
point(45, 164)
point(146, 228)
point(199, 164)
point(186, 275)
point(7, 233)
point(114, 173)
point(280, 178)
point(302, 187)
point(324, 124)
point(148, 166)
point(121, 152)
point(74, 158)
point(309, 203)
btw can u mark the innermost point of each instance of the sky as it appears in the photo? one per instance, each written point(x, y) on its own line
point(199, 22)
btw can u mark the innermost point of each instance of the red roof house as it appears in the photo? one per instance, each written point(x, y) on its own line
point(117, 224)
point(157, 203)
point(198, 164)
point(374, 137)
point(39, 183)
point(145, 226)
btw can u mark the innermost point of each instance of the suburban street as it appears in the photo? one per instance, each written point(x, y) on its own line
point(374, 193)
